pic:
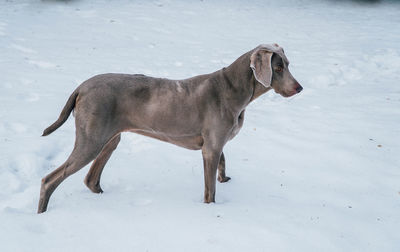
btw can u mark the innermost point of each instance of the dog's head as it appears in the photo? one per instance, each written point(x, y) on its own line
point(270, 68)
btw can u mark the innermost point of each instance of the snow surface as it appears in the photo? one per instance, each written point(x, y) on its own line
point(317, 172)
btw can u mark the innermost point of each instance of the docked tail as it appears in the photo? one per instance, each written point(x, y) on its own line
point(69, 106)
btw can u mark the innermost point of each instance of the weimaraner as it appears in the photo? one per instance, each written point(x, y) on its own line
point(202, 112)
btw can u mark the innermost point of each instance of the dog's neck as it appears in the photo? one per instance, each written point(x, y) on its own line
point(259, 89)
point(243, 84)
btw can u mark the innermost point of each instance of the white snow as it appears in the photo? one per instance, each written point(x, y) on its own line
point(317, 172)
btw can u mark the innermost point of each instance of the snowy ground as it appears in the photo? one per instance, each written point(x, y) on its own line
point(317, 172)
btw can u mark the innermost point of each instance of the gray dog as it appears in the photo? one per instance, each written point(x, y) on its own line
point(203, 112)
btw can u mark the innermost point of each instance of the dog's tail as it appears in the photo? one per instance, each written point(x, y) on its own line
point(69, 106)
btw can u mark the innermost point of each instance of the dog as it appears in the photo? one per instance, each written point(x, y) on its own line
point(200, 113)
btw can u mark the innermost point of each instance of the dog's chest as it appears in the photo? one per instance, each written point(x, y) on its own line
point(236, 128)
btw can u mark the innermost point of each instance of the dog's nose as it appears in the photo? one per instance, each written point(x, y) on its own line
point(299, 88)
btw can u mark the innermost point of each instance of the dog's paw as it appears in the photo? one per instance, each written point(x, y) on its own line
point(224, 179)
point(96, 188)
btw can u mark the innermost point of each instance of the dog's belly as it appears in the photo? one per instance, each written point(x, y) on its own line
point(192, 142)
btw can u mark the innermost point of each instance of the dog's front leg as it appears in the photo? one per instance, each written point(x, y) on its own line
point(222, 178)
point(211, 157)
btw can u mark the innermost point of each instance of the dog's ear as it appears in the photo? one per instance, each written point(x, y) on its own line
point(260, 63)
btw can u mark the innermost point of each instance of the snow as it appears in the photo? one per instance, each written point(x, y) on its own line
point(316, 172)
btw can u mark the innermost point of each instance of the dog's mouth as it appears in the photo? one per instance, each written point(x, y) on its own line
point(297, 89)
point(287, 94)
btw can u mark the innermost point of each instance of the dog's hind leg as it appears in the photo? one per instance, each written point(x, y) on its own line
point(85, 150)
point(222, 178)
point(92, 179)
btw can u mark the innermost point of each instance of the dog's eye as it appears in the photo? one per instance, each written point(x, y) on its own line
point(279, 69)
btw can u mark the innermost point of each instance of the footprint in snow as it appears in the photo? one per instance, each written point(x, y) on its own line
point(35, 228)
point(33, 97)
point(17, 127)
